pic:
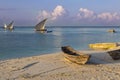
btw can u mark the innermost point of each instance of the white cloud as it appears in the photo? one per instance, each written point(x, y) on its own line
point(109, 16)
point(85, 13)
point(84, 16)
point(105, 16)
point(90, 17)
point(59, 11)
point(42, 15)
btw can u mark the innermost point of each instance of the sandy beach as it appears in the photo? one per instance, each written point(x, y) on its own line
point(54, 67)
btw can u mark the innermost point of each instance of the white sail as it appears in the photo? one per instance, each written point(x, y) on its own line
point(10, 26)
point(5, 26)
point(41, 26)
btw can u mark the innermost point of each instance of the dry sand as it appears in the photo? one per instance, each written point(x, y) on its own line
point(55, 67)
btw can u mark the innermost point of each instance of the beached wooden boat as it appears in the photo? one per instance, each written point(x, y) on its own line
point(103, 46)
point(75, 56)
point(115, 53)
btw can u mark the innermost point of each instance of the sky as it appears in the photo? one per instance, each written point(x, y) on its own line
point(61, 12)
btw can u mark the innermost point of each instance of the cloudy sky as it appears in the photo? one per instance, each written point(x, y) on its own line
point(61, 12)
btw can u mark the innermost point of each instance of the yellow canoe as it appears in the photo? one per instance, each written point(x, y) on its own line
point(103, 46)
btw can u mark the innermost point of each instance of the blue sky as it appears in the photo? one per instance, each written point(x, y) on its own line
point(61, 12)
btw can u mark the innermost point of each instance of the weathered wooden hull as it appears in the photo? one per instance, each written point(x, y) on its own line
point(115, 54)
point(75, 56)
point(79, 59)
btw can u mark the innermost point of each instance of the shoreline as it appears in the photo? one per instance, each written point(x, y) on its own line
point(28, 56)
point(54, 67)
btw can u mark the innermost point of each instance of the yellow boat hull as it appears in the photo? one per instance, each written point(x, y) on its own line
point(103, 46)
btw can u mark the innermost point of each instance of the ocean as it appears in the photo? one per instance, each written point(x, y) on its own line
point(25, 41)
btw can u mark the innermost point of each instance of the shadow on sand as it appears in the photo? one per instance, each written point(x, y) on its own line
point(101, 57)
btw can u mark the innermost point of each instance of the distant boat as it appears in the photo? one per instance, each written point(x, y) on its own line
point(41, 26)
point(111, 31)
point(9, 26)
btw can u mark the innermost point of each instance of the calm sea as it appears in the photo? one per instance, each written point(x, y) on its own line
point(25, 41)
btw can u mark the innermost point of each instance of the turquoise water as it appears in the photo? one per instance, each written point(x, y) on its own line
point(24, 41)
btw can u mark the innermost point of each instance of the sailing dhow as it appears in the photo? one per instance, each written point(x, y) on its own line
point(9, 26)
point(41, 26)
